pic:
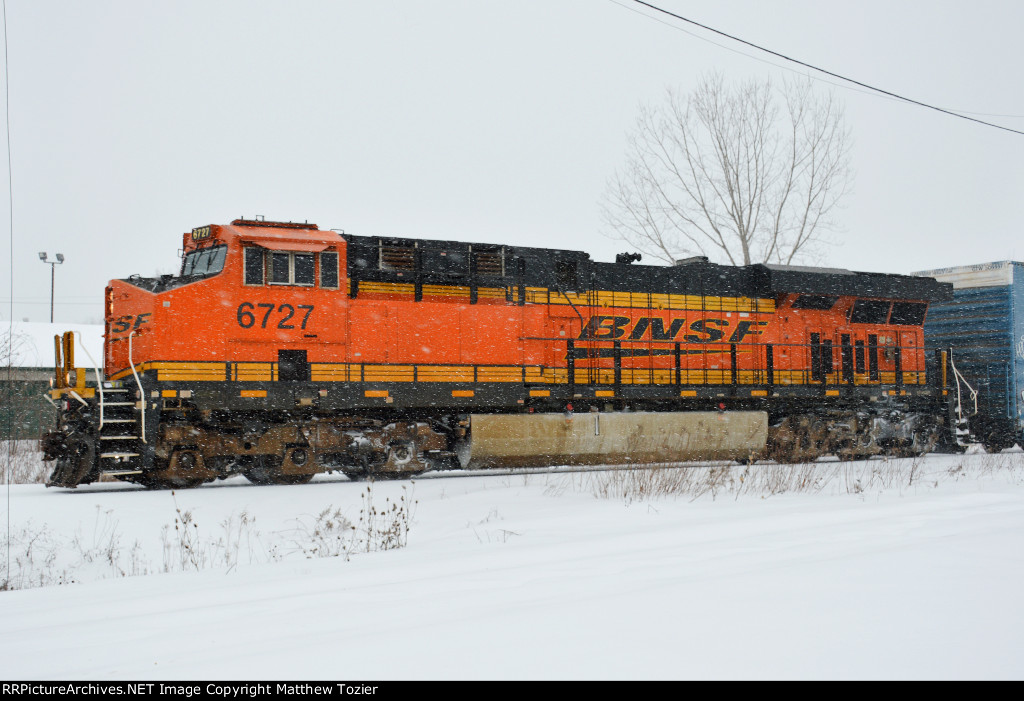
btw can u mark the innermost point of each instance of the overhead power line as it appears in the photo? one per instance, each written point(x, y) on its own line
point(9, 385)
point(837, 76)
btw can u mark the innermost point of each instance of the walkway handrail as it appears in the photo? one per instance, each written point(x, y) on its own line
point(96, 369)
point(142, 394)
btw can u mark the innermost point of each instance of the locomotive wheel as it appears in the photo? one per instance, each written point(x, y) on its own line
point(264, 479)
point(797, 439)
point(157, 481)
point(358, 475)
point(749, 459)
point(997, 442)
point(814, 440)
point(862, 447)
point(171, 483)
point(383, 476)
point(354, 474)
point(782, 441)
point(292, 479)
point(925, 439)
point(266, 469)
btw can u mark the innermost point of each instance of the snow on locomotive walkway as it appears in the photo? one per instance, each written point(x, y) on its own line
point(880, 569)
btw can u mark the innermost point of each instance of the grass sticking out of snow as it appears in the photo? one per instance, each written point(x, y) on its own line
point(770, 479)
point(39, 556)
point(21, 462)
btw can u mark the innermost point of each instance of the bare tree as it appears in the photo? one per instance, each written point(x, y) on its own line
point(744, 175)
point(14, 345)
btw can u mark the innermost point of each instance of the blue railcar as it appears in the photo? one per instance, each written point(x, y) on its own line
point(984, 326)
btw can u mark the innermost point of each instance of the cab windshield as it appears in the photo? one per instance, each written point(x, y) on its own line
point(204, 262)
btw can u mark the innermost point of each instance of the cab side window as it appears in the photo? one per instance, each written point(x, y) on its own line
point(263, 267)
point(253, 266)
point(280, 268)
point(303, 269)
point(329, 269)
point(291, 269)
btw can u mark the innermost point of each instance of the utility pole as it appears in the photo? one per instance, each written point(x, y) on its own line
point(53, 275)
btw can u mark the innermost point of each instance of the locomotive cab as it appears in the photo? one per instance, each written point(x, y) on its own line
point(252, 303)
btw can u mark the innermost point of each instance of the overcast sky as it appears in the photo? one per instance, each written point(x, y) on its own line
point(492, 121)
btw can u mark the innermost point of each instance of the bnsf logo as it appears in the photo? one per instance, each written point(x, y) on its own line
point(612, 328)
point(129, 322)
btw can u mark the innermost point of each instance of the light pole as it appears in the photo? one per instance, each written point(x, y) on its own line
point(53, 273)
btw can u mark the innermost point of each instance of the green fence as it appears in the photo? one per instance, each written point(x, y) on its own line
point(24, 411)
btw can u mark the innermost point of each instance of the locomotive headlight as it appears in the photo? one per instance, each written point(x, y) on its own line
point(299, 457)
point(72, 378)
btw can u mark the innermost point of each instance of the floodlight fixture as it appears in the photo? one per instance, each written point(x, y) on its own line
point(53, 268)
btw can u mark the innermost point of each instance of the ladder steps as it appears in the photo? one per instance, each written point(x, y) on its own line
point(114, 428)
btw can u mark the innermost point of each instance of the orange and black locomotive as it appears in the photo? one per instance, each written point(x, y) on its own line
point(282, 350)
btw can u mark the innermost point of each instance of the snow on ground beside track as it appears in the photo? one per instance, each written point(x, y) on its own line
point(532, 577)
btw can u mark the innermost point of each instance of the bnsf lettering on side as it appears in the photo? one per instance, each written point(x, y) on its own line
point(611, 328)
point(125, 323)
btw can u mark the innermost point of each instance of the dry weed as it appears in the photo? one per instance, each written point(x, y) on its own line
point(770, 479)
point(21, 462)
point(40, 557)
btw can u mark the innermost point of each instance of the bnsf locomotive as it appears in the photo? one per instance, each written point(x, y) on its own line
point(282, 351)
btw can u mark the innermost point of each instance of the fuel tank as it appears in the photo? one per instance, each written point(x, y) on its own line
point(597, 438)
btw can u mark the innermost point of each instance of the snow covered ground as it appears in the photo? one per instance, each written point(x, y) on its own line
point(887, 569)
